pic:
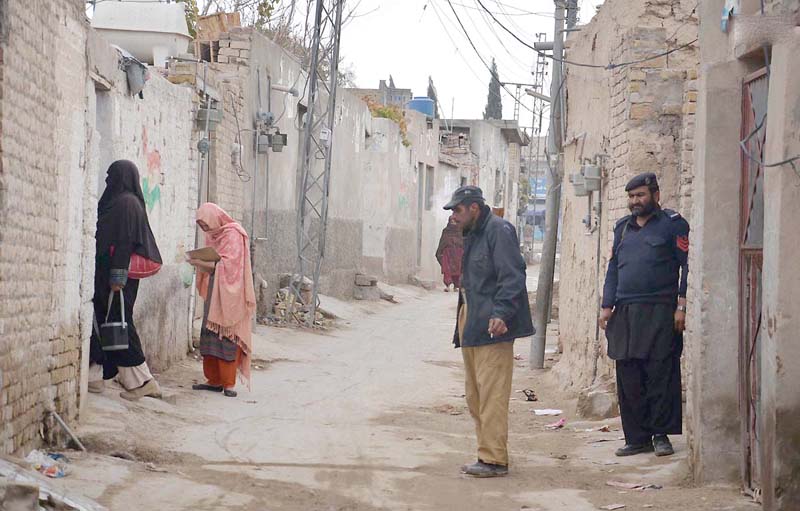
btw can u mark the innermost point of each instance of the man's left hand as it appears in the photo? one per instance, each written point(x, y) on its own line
point(497, 327)
point(680, 321)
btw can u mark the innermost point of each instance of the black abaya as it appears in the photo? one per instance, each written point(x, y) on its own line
point(122, 230)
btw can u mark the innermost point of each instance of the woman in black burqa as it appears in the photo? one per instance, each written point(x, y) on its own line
point(122, 230)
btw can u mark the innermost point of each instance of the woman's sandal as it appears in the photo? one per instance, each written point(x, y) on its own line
point(206, 386)
point(230, 393)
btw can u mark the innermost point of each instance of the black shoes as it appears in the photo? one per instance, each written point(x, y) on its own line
point(631, 449)
point(481, 469)
point(206, 386)
point(662, 445)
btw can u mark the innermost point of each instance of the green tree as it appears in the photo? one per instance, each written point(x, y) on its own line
point(494, 105)
point(192, 13)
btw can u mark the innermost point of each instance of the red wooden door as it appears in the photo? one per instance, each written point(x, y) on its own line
point(751, 248)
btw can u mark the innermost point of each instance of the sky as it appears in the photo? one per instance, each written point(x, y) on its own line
point(414, 39)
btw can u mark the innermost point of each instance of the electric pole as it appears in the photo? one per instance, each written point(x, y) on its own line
point(555, 140)
point(315, 162)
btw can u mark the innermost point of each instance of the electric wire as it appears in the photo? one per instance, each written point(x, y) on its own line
point(743, 144)
point(521, 12)
point(514, 61)
point(610, 65)
point(494, 75)
point(455, 45)
point(238, 167)
point(513, 57)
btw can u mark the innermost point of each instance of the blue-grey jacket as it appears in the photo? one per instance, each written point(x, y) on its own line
point(493, 279)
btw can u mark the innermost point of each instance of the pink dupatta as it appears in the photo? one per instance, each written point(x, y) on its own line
point(233, 298)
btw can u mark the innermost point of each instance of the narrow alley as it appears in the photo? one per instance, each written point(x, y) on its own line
point(192, 190)
point(367, 416)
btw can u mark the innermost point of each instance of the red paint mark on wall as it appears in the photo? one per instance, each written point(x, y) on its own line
point(153, 179)
point(152, 157)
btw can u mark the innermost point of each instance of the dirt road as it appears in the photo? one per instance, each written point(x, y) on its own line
point(369, 416)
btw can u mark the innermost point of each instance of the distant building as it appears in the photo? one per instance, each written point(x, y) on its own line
point(386, 93)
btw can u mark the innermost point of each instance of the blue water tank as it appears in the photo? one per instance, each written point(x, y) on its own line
point(422, 104)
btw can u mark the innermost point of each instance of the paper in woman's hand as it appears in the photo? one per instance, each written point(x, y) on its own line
point(204, 254)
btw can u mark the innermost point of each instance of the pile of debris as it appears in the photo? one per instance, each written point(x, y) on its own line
point(288, 309)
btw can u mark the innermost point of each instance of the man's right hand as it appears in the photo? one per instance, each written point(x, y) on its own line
point(605, 315)
point(117, 287)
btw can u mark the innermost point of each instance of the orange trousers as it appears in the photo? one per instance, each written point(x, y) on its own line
point(220, 372)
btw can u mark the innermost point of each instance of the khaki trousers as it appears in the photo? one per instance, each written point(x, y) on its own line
point(488, 389)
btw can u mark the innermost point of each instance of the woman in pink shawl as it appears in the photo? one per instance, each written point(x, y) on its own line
point(227, 289)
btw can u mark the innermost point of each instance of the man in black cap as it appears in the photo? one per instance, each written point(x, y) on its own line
point(493, 310)
point(644, 315)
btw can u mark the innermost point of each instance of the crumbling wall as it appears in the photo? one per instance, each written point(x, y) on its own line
point(44, 298)
point(630, 119)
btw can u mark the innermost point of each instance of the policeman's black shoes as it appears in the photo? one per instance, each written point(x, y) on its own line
point(631, 449)
point(662, 445)
point(481, 469)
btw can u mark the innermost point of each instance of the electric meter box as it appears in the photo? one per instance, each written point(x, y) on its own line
point(591, 177)
point(578, 184)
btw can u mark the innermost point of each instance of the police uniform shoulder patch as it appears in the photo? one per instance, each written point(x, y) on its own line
point(674, 215)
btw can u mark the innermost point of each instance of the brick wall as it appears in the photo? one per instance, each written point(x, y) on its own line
point(687, 140)
point(43, 302)
point(230, 180)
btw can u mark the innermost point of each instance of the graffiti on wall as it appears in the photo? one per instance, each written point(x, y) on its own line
point(153, 179)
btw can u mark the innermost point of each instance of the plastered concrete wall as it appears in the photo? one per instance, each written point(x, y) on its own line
point(277, 177)
point(717, 453)
point(634, 118)
point(389, 195)
point(155, 133)
point(494, 161)
point(44, 303)
point(781, 409)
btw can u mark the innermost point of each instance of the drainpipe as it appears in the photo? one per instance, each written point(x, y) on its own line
point(266, 164)
point(255, 182)
point(598, 226)
point(544, 289)
point(203, 147)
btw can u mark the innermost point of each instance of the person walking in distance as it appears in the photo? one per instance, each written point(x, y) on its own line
point(644, 316)
point(449, 254)
point(493, 311)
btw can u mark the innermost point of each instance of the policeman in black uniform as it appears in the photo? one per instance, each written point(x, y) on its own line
point(644, 315)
